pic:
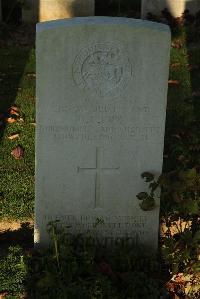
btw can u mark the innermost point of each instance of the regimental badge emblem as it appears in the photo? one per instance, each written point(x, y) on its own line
point(102, 69)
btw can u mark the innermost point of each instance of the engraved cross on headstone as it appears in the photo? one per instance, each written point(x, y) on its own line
point(98, 171)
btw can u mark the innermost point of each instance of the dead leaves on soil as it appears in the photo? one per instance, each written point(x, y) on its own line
point(11, 116)
point(5, 294)
point(182, 283)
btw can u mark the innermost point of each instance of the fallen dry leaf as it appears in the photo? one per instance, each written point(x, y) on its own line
point(13, 110)
point(14, 107)
point(179, 278)
point(188, 288)
point(13, 114)
point(170, 286)
point(14, 136)
point(3, 294)
point(175, 65)
point(10, 120)
point(177, 44)
point(18, 152)
point(173, 82)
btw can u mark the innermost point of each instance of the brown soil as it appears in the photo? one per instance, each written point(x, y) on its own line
point(7, 225)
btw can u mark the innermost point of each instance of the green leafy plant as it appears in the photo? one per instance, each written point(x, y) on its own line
point(180, 198)
point(148, 199)
point(73, 269)
point(180, 187)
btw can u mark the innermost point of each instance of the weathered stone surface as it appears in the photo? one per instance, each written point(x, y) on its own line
point(45, 10)
point(101, 104)
point(175, 7)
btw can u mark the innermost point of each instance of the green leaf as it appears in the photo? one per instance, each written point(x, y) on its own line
point(196, 237)
point(191, 207)
point(142, 195)
point(190, 174)
point(163, 180)
point(153, 186)
point(47, 280)
point(148, 176)
point(196, 267)
point(187, 236)
point(148, 204)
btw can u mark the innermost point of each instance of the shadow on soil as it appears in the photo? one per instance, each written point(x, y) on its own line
point(22, 237)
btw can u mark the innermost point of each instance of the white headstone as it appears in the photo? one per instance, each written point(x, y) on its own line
point(101, 104)
point(175, 7)
point(46, 10)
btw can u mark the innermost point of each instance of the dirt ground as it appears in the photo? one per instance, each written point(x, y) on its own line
point(13, 225)
point(14, 233)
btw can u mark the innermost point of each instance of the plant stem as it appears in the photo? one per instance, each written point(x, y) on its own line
point(56, 247)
